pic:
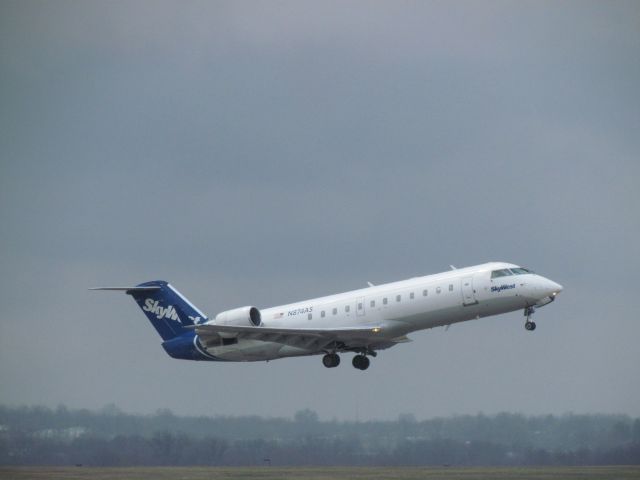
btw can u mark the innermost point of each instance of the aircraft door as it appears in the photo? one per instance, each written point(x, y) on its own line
point(468, 293)
point(360, 306)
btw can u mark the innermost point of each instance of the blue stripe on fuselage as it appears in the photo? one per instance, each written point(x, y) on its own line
point(187, 347)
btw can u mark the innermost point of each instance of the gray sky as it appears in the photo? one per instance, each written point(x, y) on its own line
point(261, 153)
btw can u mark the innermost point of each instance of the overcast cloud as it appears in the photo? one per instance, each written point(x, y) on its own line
point(265, 152)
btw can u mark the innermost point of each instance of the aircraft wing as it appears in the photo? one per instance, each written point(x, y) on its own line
point(309, 338)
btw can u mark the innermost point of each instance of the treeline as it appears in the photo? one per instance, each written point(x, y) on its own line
point(109, 437)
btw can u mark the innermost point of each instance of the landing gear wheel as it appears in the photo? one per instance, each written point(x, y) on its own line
point(360, 362)
point(331, 360)
point(528, 313)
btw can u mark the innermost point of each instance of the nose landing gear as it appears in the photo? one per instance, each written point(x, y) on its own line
point(529, 324)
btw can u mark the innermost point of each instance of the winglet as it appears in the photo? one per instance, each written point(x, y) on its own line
point(402, 339)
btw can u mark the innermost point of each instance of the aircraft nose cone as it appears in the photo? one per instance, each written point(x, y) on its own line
point(554, 287)
point(547, 288)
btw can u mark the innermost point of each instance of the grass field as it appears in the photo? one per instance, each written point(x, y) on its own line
point(319, 473)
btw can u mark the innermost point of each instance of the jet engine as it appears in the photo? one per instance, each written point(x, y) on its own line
point(240, 317)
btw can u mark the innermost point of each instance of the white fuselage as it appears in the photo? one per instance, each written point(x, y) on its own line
point(399, 308)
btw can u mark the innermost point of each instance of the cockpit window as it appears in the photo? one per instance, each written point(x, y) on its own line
point(501, 273)
point(520, 270)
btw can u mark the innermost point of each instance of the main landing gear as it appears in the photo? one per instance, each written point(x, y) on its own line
point(529, 324)
point(360, 361)
point(331, 360)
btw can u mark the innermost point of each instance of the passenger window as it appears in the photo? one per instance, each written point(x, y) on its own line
point(335, 311)
point(372, 303)
point(360, 306)
point(309, 316)
point(347, 308)
point(398, 298)
point(384, 301)
point(322, 313)
point(425, 292)
point(411, 296)
point(438, 290)
point(451, 287)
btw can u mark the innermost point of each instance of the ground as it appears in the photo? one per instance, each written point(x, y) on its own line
point(320, 473)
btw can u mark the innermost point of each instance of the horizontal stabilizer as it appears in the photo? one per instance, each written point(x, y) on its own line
point(129, 289)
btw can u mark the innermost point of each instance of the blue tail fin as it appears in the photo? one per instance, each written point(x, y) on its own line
point(166, 308)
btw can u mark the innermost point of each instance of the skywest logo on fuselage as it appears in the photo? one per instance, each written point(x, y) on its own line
point(153, 306)
point(503, 287)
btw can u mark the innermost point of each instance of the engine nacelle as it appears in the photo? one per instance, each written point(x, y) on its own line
point(240, 317)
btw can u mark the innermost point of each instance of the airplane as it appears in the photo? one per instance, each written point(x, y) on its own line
point(360, 321)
